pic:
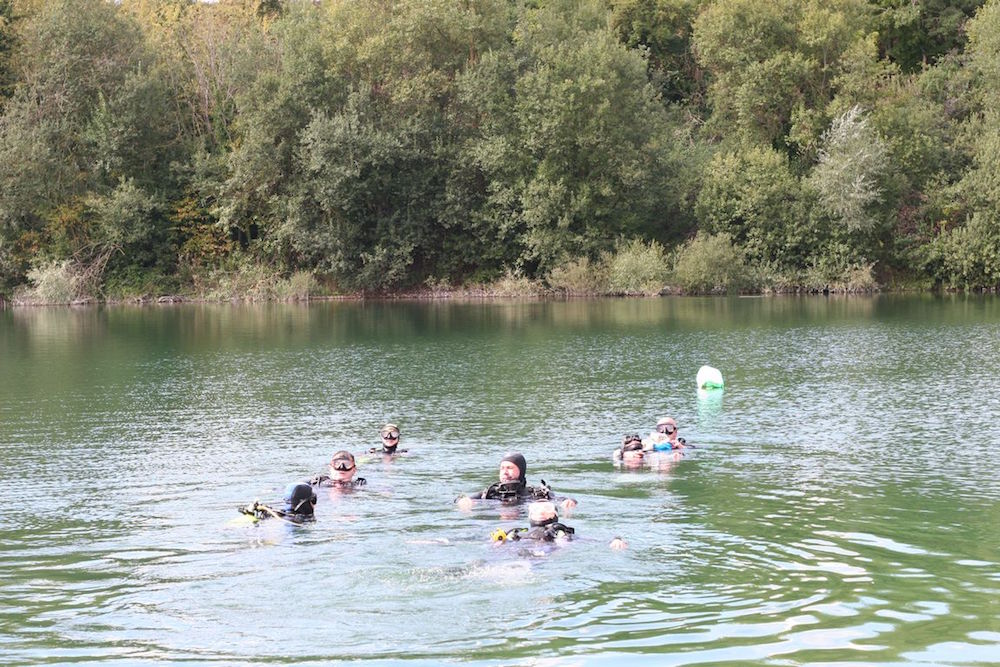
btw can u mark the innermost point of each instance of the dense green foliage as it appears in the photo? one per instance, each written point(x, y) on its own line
point(241, 146)
point(6, 49)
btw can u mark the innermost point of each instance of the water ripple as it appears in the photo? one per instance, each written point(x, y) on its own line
point(839, 508)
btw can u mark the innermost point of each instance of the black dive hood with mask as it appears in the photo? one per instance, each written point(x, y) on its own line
point(300, 499)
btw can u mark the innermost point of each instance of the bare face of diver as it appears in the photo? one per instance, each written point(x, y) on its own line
point(509, 472)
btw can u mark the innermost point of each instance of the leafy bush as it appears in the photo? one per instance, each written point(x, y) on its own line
point(54, 282)
point(9, 268)
point(968, 256)
point(859, 278)
point(710, 263)
point(136, 283)
point(579, 276)
point(513, 285)
point(839, 277)
point(125, 217)
point(637, 267)
point(240, 278)
point(299, 285)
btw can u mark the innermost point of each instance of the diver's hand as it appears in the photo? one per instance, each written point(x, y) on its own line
point(568, 504)
point(464, 503)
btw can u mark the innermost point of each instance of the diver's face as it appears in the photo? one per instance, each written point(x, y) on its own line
point(509, 472)
point(342, 471)
point(634, 456)
point(667, 428)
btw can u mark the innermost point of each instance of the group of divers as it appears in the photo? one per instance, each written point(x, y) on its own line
point(511, 487)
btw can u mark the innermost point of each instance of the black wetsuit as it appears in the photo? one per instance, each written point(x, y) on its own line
point(327, 481)
point(261, 511)
point(549, 532)
point(514, 492)
point(386, 451)
point(517, 491)
point(544, 532)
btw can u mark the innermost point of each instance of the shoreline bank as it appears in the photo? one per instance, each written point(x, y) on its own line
point(475, 294)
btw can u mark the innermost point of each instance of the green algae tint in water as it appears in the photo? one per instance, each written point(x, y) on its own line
point(841, 506)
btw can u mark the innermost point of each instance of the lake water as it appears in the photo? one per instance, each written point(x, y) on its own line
point(841, 506)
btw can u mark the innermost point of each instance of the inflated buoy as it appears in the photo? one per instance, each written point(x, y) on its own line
point(709, 378)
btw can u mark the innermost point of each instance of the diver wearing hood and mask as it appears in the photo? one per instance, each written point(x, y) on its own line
point(300, 503)
point(342, 473)
point(389, 435)
point(513, 487)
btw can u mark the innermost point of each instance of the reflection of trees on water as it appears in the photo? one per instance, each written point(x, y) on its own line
point(248, 324)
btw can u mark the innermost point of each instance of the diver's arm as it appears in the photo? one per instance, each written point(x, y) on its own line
point(466, 500)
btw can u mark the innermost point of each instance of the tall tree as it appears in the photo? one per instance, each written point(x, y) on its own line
point(7, 42)
point(573, 146)
point(753, 196)
point(664, 28)
point(82, 122)
point(916, 34)
point(376, 177)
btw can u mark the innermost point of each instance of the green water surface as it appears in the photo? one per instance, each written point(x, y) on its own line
point(841, 506)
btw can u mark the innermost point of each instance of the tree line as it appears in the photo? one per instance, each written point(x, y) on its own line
point(156, 146)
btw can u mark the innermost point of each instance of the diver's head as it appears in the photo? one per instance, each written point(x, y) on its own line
point(390, 436)
point(342, 466)
point(618, 544)
point(632, 448)
point(300, 499)
point(513, 468)
point(666, 425)
point(542, 513)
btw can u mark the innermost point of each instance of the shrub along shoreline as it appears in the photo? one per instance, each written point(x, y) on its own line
point(705, 265)
point(485, 292)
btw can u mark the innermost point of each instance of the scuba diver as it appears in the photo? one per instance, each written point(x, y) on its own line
point(390, 441)
point(630, 453)
point(664, 438)
point(300, 503)
point(342, 471)
point(513, 487)
point(543, 526)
